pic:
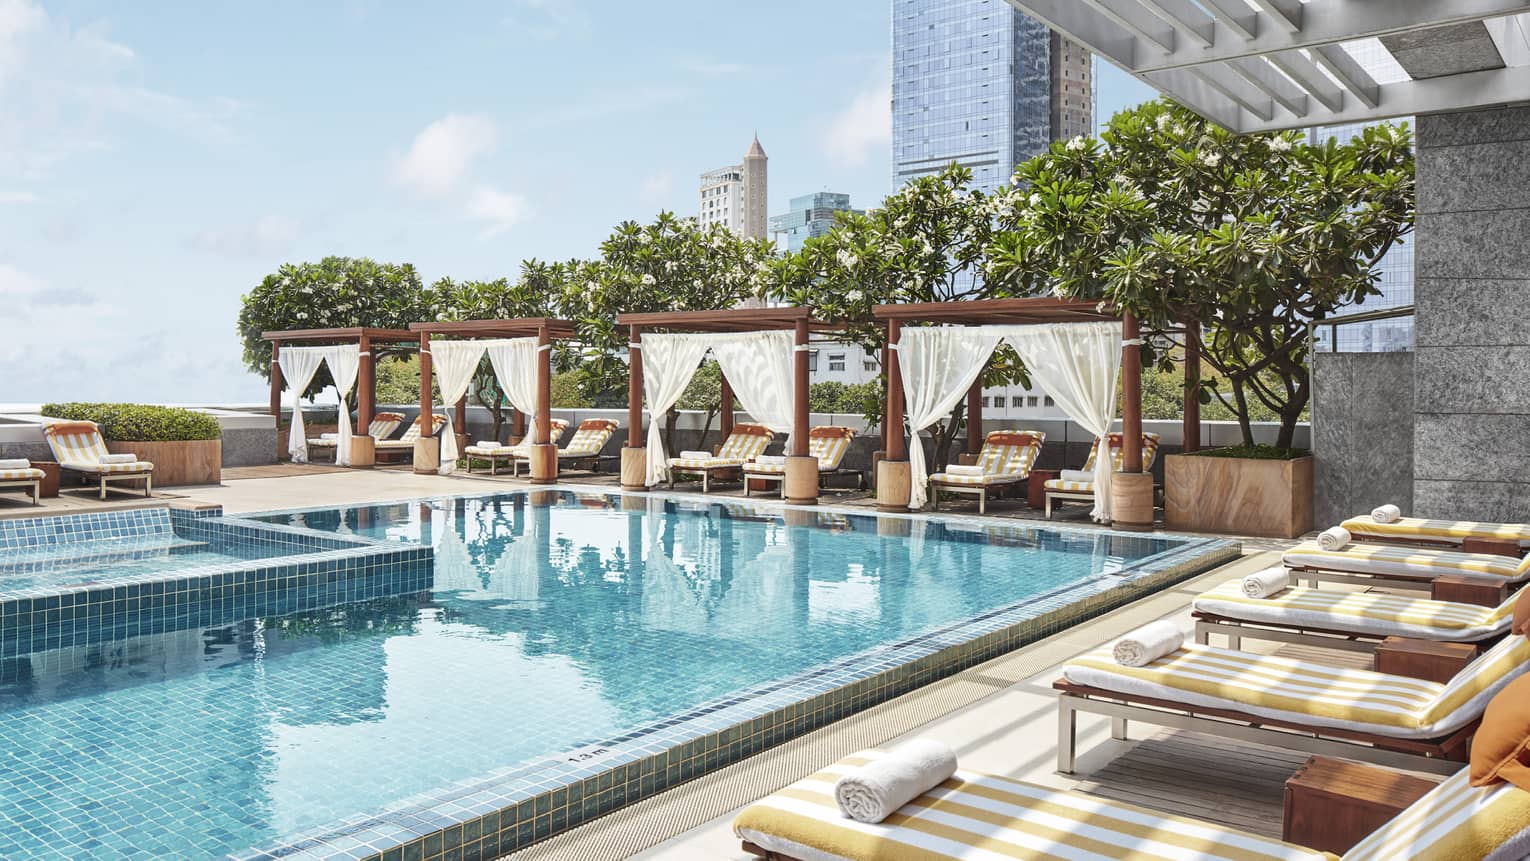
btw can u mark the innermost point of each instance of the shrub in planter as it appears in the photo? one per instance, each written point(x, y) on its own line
point(140, 422)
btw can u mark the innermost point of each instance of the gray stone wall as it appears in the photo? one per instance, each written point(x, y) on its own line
point(1362, 432)
point(1471, 400)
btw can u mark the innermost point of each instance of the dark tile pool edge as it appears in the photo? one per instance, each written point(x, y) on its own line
point(487, 818)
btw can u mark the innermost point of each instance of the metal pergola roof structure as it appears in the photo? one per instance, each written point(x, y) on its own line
point(1264, 65)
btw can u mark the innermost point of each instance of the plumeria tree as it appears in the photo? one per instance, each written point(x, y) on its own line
point(925, 243)
point(1246, 238)
point(336, 292)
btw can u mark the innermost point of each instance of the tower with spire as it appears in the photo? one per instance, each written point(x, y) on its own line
point(756, 194)
point(737, 196)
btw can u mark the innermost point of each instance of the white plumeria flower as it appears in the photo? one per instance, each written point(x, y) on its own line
point(1227, 218)
point(846, 258)
point(1211, 159)
point(1163, 121)
point(1076, 144)
point(1280, 144)
point(649, 280)
point(1035, 198)
point(854, 296)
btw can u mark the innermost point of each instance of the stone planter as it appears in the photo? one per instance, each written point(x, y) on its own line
point(178, 463)
point(1238, 496)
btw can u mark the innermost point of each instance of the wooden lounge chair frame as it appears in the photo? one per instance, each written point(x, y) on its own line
point(333, 446)
point(588, 461)
point(997, 489)
point(823, 474)
point(103, 476)
point(506, 452)
point(34, 483)
point(706, 472)
point(1150, 456)
point(391, 447)
point(1437, 756)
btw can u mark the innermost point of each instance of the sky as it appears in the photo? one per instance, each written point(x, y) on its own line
point(158, 159)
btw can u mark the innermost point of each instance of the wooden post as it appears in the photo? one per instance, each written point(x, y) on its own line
point(427, 449)
point(724, 412)
point(1192, 427)
point(893, 476)
point(800, 481)
point(517, 424)
point(886, 365)
point(366, 393)
point(634, 458)
point(276, 381)
point(1131, 395)
point(975, 417)
point(544, 454)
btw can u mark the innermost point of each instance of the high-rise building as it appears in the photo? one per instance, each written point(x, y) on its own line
point(977, 82)
point(737, 196)
point(808, 216)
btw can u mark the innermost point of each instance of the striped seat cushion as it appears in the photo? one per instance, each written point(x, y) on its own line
point(1006, 457)
point(746, 443)
point(1368, 613)
point(1311, 694)
point(28, 474)
point(988, 818)
point(1455, 821)
point(1411, 562)
point(1149, 451)
point(78, 446)
point(1069, 486)
point(412, 434)
point(985, 480)
point(771, 468)
point(590, 438)
point(1438, 530)
point(828, 444)
point(522, 449)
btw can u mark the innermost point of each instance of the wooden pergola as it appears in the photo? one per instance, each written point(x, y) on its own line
point(800, 321)
point(366, 375)
point(544, 455)
point(893, 482)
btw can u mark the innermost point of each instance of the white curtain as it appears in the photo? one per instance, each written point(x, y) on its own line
point(455, 362)
point(1077, 364)
point(939, 365)
point(759, 367)
point(515, 366)
point(344, 362)
point(669, 362)
point(298, 365)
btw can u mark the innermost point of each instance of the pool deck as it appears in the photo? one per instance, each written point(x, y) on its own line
point(1000, 716)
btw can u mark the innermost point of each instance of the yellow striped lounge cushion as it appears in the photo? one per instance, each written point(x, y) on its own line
point(1311, 694)
point(1369, 613)
point(1388, 560)
point(521, 449)
point(412, 433)
point(1149, 451)
point(1438, 530)
point(1454, 822)
point(980, 817)
point(590, 438)
point(79, 446)
point(745, 444)
point(829, 450)
point(28, 474)
point(1069, 486)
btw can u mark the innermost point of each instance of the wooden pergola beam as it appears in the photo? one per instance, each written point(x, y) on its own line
point(517, 327)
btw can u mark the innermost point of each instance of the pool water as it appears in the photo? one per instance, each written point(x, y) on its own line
point(133, 556)
point(555, 621)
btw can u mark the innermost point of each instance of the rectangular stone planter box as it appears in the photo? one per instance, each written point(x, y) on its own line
point(1238, 496)
point(178, 463)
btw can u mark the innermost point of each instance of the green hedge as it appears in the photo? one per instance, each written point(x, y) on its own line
point(1258, 452)
point(139, 422)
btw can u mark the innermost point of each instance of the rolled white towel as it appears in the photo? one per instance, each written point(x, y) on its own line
point(1333, 538)
point(1270, 581)
point(488, 443)
point(329, 437)
point(1076, 475)
point(771, 459)
point(695, 455)
point(964, 469)
point(872, 792)
point(1148, 643)
point(118, 458)
point(1386, 513)
point(15, 463)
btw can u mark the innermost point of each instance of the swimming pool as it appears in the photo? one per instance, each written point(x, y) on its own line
point(574, 652)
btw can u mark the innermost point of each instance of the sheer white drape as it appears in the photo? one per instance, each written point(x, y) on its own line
point(298, 365)
point(939, 365)
point(1077, 364)
point(344, 362)
point(515, 366)
point(455, 362)
point(759, 367)
point(669, 362)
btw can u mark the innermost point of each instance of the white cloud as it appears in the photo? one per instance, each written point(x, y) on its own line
point(24, 295)
point(442, 155)
point(657, 187)
point(498, 210)
point(271, 234)
point(548, 19)
point(18, 197)
point(864, 126)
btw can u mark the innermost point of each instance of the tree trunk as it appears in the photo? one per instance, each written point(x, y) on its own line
point(1244, 425)
point(706, 427)
point(948, 436)
point(671, 418)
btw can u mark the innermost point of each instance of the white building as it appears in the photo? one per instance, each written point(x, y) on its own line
point(851, 365)
point(737, 196)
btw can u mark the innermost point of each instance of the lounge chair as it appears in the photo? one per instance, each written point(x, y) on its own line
point(828, 443)
point(1351, 621)
point(1058, 490)
point(22, 474)
point(747, 442)
point(78, 446)
point(1356, 714)
point(975, 816)
point(513, 453)
point(405, 443)
point(1438, 533)
point(1404, 567)
point(382, 426)
point(1006, 460)
point(584, 448)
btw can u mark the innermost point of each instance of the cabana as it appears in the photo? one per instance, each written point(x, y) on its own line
point(520, 351)
point(295, 357)
point(1073, 348)
point(763, 354)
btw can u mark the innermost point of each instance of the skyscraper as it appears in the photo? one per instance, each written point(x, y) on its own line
point(737, 196)
point(977, 82)
point(808, 216)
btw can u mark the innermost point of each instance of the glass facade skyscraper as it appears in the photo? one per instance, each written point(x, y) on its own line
point(810, 215)
point(977, 82)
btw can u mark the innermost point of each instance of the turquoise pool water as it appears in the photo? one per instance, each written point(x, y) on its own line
point(551, 625)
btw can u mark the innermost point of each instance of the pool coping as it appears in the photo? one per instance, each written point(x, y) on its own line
point(508, 809)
